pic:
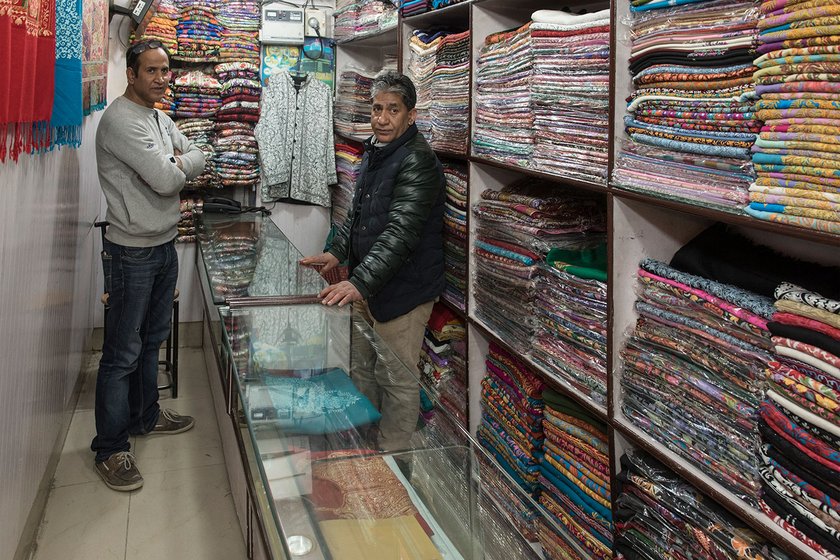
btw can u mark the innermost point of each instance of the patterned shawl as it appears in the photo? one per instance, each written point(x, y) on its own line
point(94, 55)
point(66, 120)
point(27, 64)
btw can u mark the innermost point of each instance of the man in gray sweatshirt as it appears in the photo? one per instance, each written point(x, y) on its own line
point(143, 162)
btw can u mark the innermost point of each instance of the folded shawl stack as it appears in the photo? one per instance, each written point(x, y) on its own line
point(511, 431)
point(658, 515)
point(237, 154)
point(571, 334)
point(450, 104)
point(199, 32)
point(574, 478)
point(413, 7)
point(240, 20)
point(348, 160)
point(797, 154)
point(201, 132)
point(421, 65)
point(162, 26)
point(515, 229)
point(345, 14)
point(504, 120)
point(800, 418)
point(240, 89)
point(443, 367)
point(691, 117)
point(197, 94)
point(570, 93)
point(352, 103)
point(455, 243)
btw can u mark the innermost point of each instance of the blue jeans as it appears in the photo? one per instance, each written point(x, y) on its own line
point(140, 282)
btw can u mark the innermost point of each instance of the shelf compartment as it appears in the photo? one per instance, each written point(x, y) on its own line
point(552, 379)
point(757, 520)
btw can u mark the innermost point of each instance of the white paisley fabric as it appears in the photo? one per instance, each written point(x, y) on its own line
point(297, 153)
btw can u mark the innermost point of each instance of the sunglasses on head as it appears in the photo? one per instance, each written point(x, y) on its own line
point(139, 48)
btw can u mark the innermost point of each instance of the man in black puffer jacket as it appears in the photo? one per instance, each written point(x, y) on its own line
point(392, 239)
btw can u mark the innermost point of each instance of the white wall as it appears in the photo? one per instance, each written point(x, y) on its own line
point(47, 262)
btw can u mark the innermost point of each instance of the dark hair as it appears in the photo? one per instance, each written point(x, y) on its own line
point(394, 82)
point(132, 55)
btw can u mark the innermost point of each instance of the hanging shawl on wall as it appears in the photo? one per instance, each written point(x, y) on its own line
point(66, 120)
point(27, 62)
point(94, 55)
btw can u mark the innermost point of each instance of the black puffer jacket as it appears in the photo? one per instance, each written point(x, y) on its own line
point(393, 236)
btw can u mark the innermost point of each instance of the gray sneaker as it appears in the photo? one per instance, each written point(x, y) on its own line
point(119, 471)
point(170, 422)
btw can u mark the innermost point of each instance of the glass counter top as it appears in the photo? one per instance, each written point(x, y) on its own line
point(247, 256)
point(311, 436)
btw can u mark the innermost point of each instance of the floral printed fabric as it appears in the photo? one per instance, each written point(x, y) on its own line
point(797, 80)
point(658, 512)
point(694, 92)
point(813, 351)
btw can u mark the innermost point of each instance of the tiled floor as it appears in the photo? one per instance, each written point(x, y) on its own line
point(183, 511)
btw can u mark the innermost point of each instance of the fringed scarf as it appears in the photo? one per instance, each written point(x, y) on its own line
point(27, 66)
point(94, 55)
point(66, 121)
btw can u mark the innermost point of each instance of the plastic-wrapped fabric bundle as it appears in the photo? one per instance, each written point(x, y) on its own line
point(352, 103)
point(348, 161)
point(796, 154)
point(570, 93)
point(421, 65)
point(515, 228)
point(345, 14)
point(360, 18)
point(511, 431)
point(442, 362)
point(455, 242)
point(574, 480)
point(450, 94)
point(691, 117)
point(660, 516)
point(504, 122)
point(570, 339)
point(692, 373)
point(200, 132)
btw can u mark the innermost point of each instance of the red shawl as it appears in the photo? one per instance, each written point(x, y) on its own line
point(27, 73)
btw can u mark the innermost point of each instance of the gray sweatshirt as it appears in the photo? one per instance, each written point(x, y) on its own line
point(140, 181)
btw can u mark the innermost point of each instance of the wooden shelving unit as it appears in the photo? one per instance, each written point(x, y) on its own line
point(640, 226)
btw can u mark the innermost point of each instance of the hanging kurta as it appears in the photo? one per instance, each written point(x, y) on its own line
point(297, 154)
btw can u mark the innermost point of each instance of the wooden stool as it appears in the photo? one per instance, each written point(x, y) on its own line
point(170, 363)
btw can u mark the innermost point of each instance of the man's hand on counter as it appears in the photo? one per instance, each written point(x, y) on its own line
point(340, 294)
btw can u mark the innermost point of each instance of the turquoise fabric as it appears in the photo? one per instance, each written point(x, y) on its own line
point(322, 404)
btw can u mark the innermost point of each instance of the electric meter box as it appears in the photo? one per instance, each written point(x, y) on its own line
point(281, 25)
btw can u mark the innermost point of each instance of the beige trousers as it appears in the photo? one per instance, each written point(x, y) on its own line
point(387, 373)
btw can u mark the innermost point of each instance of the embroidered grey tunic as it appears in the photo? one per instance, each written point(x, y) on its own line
point(297, 151)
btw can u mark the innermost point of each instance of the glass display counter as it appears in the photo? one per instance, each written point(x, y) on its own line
point(325, 489)
point(247, 257)
point(300, 440)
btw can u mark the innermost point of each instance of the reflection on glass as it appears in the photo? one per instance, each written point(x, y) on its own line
point(248, 256)
point(314, 434)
